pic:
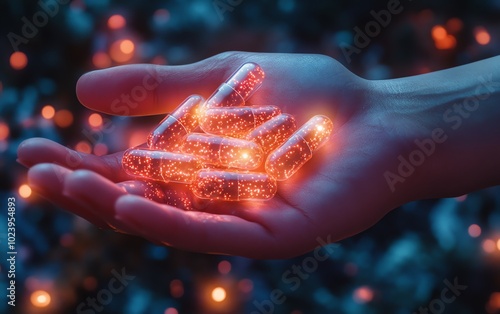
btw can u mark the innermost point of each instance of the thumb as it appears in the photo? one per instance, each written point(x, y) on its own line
point(146, 89)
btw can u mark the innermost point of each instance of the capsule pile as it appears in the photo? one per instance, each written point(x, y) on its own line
point(217, 145)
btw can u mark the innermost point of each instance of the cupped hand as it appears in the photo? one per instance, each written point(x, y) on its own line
point(341, 191)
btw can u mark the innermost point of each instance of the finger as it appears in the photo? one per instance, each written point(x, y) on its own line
point(195, 231)
point(145, 89)
point(40, 150)
point(47, 180)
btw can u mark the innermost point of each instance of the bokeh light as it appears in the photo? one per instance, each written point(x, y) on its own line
point(489, 246)
point(18, 60)
point(218, 294)
point(100, 149)
point(224, 267)
point(482, 36)
point(40, 298)
point(24, 191)
point(474, 230)
point(171, 310)
point(4, 131)
point(48, 112)
point(363, 294)
point(95, 120)
point(122, 50)
point(439, 32)
point(176, 288)
point(63, 118)
point(116, 21)
point(83, 147)
point(101, 60)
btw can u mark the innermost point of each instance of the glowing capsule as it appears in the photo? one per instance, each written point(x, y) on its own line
point(298, 149)
point(236, 122)
point(233, 186)
point(171, 130)
point(274, 132)
point(223, 151)
point(238, 87)
point(160, 165)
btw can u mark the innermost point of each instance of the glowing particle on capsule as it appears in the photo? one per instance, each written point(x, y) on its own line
point(223, 151)
point(238, 87)
point(160, 165)
point(171, 130)
point(298, 149)
point(236, 122)
point(233, 186)
point(274, 132)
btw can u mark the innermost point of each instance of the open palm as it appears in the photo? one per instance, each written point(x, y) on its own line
point(341, 191)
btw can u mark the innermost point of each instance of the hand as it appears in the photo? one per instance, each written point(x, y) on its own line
point(340, 192)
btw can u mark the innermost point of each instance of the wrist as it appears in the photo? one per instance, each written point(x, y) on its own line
point(446, 126)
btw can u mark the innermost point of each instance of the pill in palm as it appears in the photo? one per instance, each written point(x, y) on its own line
point(274, 132)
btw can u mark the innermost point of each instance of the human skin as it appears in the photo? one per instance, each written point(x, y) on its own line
point(341, 191)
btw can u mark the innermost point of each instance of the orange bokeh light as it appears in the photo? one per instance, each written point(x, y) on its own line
point(176, 288)
point(439, 32)
point(218, 294)
point(489, 246)
point(40, 298)
point(4, 131)
point(18, 60)
point(449, 42)
point(63, 118)
point(122, 50)
point(454, 25)
point(101, 60)
point(83, 147)
point(363, 294)
point(24, 191)
point(95, 120)
point(171, 310)
point(116, 21)
point(48, 112)
point(482, 36)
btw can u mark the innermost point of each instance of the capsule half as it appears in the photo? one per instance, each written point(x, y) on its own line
point(160, 165)
point(284, 161)
point(223, 151)
point(274, 132)
point(236, 122)
point(174, 127)
point(233, 186)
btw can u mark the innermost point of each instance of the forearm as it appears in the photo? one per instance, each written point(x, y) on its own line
point(451, 127)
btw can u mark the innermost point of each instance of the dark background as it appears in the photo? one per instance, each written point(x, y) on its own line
point(397, 266)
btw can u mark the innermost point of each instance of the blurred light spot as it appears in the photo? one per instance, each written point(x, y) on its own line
point(83, 147)
point(100, 149)
point(454, 25)
point(224, 267)
point(4, 131)
point(122, 50)
point(24, 191)
point(363, 294)
point(176, 288)
point(449, 42)
point(101, 60)
point(489, 246)
point(48, 112)
point(482, 35)
point(127, 46)
point(160, 60)
point(493, 304)
point(474, 230)
point(116, 21)
point(40, 298)
point(18, 60)
point(498, 244)
point(218, 294)
point(90, 283)
point(171, 310)
point(95, 120)
point(438, 32)
point(245, 285)
point(461, 198)
point(63, 118)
